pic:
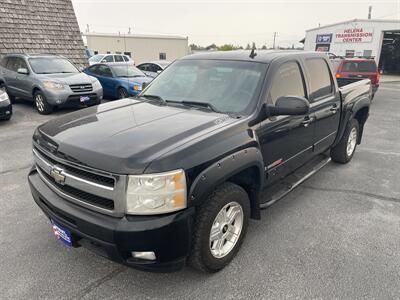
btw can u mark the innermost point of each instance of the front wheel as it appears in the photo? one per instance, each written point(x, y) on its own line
point(42, 106)
point(343, 152)
point(220, 227)
point(122, 93)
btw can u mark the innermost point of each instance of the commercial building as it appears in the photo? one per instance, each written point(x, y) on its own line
point(378, 39)
point(32, 26)
point(139, 47)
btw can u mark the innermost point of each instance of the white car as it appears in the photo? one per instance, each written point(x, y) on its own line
point(110, 58)
point(153, 68)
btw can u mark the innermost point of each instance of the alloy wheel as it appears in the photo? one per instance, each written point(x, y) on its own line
point(226, 229)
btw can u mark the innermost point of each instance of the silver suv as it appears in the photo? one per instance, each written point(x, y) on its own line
point(49, 81)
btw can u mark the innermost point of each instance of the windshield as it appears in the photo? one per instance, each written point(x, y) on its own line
point(46, 65)
point(127, 71)
point(229, 86)
point(96, 58)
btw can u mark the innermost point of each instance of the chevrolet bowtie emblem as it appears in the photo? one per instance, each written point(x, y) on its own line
point(57, 175)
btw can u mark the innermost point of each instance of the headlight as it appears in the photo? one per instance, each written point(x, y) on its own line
point(96, 84)
point(137, 87)
point(3, 96)
point(156, 194)
point(52, 85)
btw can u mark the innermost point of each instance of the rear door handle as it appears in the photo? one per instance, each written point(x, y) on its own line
point(334, 109)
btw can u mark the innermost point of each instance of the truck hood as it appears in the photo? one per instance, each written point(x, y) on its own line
point(125, 136)
point(68, 79)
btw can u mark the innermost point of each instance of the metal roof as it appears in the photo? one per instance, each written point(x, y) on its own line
point(356, 20)
point(141, 36)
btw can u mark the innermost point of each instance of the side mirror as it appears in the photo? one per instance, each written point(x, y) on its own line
point(289, 105)
point(23, 71)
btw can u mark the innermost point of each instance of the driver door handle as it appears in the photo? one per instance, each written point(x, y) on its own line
point(307, 121)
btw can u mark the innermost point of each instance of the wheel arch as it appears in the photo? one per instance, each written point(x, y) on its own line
point(244, 168)
point(361, 115)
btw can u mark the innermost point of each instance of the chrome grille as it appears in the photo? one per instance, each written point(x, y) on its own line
point(81, 88)
point(96, 190)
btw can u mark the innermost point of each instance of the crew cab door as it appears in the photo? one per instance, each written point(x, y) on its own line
point(325, 102)
point(286, 141)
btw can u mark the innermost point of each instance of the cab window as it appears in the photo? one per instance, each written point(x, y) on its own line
point(321, 84)
point(288, 81)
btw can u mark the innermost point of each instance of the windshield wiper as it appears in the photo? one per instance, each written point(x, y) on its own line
point(196, 103)
point(152, 97)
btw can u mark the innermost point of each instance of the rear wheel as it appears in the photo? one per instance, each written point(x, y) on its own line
point(122, 93)
point(42, 106)
point(220, 227)
point(343, 152)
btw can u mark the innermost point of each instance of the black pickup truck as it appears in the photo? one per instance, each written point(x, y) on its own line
point(174, 175)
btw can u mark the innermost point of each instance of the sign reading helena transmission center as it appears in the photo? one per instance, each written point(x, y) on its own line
point(354, 35)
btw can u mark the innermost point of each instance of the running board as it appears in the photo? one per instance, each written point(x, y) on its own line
point(288, 184)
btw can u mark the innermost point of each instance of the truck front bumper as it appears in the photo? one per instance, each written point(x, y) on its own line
point(168, 236)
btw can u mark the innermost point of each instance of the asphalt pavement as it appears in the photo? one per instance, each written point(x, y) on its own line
point(335, 236)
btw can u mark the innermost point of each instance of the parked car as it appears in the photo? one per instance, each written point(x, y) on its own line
point(110, 58)
point(153, 68)
point(349, 70)
point(175, 176)
point(49, 81)
point(5, 106)
point(119, 80)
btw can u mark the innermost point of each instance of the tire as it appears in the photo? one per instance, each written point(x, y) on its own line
point(230, 198)
point(41, 104)
point(122, 93)
point(343, 152)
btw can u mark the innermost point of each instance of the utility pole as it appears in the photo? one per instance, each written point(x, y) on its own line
point(275, 33)
point(369, 12)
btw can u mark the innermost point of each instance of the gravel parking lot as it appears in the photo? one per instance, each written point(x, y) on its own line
point(336, 236)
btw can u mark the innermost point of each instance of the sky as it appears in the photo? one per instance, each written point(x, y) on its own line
point(237, 22)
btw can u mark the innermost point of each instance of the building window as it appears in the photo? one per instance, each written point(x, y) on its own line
point(367, 53)
point(350, 53)
point(96, 52)
point(163, 56)
point(108, 52)
point(128, 54)
point(117, 52)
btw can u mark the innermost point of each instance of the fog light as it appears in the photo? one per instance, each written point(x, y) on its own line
point(7, 112)
point(58, 101)
point(147, 255)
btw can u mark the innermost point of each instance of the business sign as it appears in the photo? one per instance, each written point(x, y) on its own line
point(324, 38)
point(354, 35)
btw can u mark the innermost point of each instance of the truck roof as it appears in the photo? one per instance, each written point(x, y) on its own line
point(263, 56)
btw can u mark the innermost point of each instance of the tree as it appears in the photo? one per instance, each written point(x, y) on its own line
point(254, 46)
point(248, 47)
point(264, 47)
point(228, 47)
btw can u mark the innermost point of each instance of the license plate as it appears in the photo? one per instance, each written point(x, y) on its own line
point(84, 98)
point(62, 234)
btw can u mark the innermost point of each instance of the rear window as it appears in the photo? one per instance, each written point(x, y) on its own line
point(359, 66)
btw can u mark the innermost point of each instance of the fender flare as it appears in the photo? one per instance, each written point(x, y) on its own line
point(349, 114)
point(225, 168)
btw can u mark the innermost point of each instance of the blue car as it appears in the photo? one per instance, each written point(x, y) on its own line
point(119, 80)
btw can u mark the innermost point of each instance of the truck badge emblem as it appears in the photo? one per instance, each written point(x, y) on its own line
point(57, 175)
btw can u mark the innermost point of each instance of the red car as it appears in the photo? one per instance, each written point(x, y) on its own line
point(349, 70)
